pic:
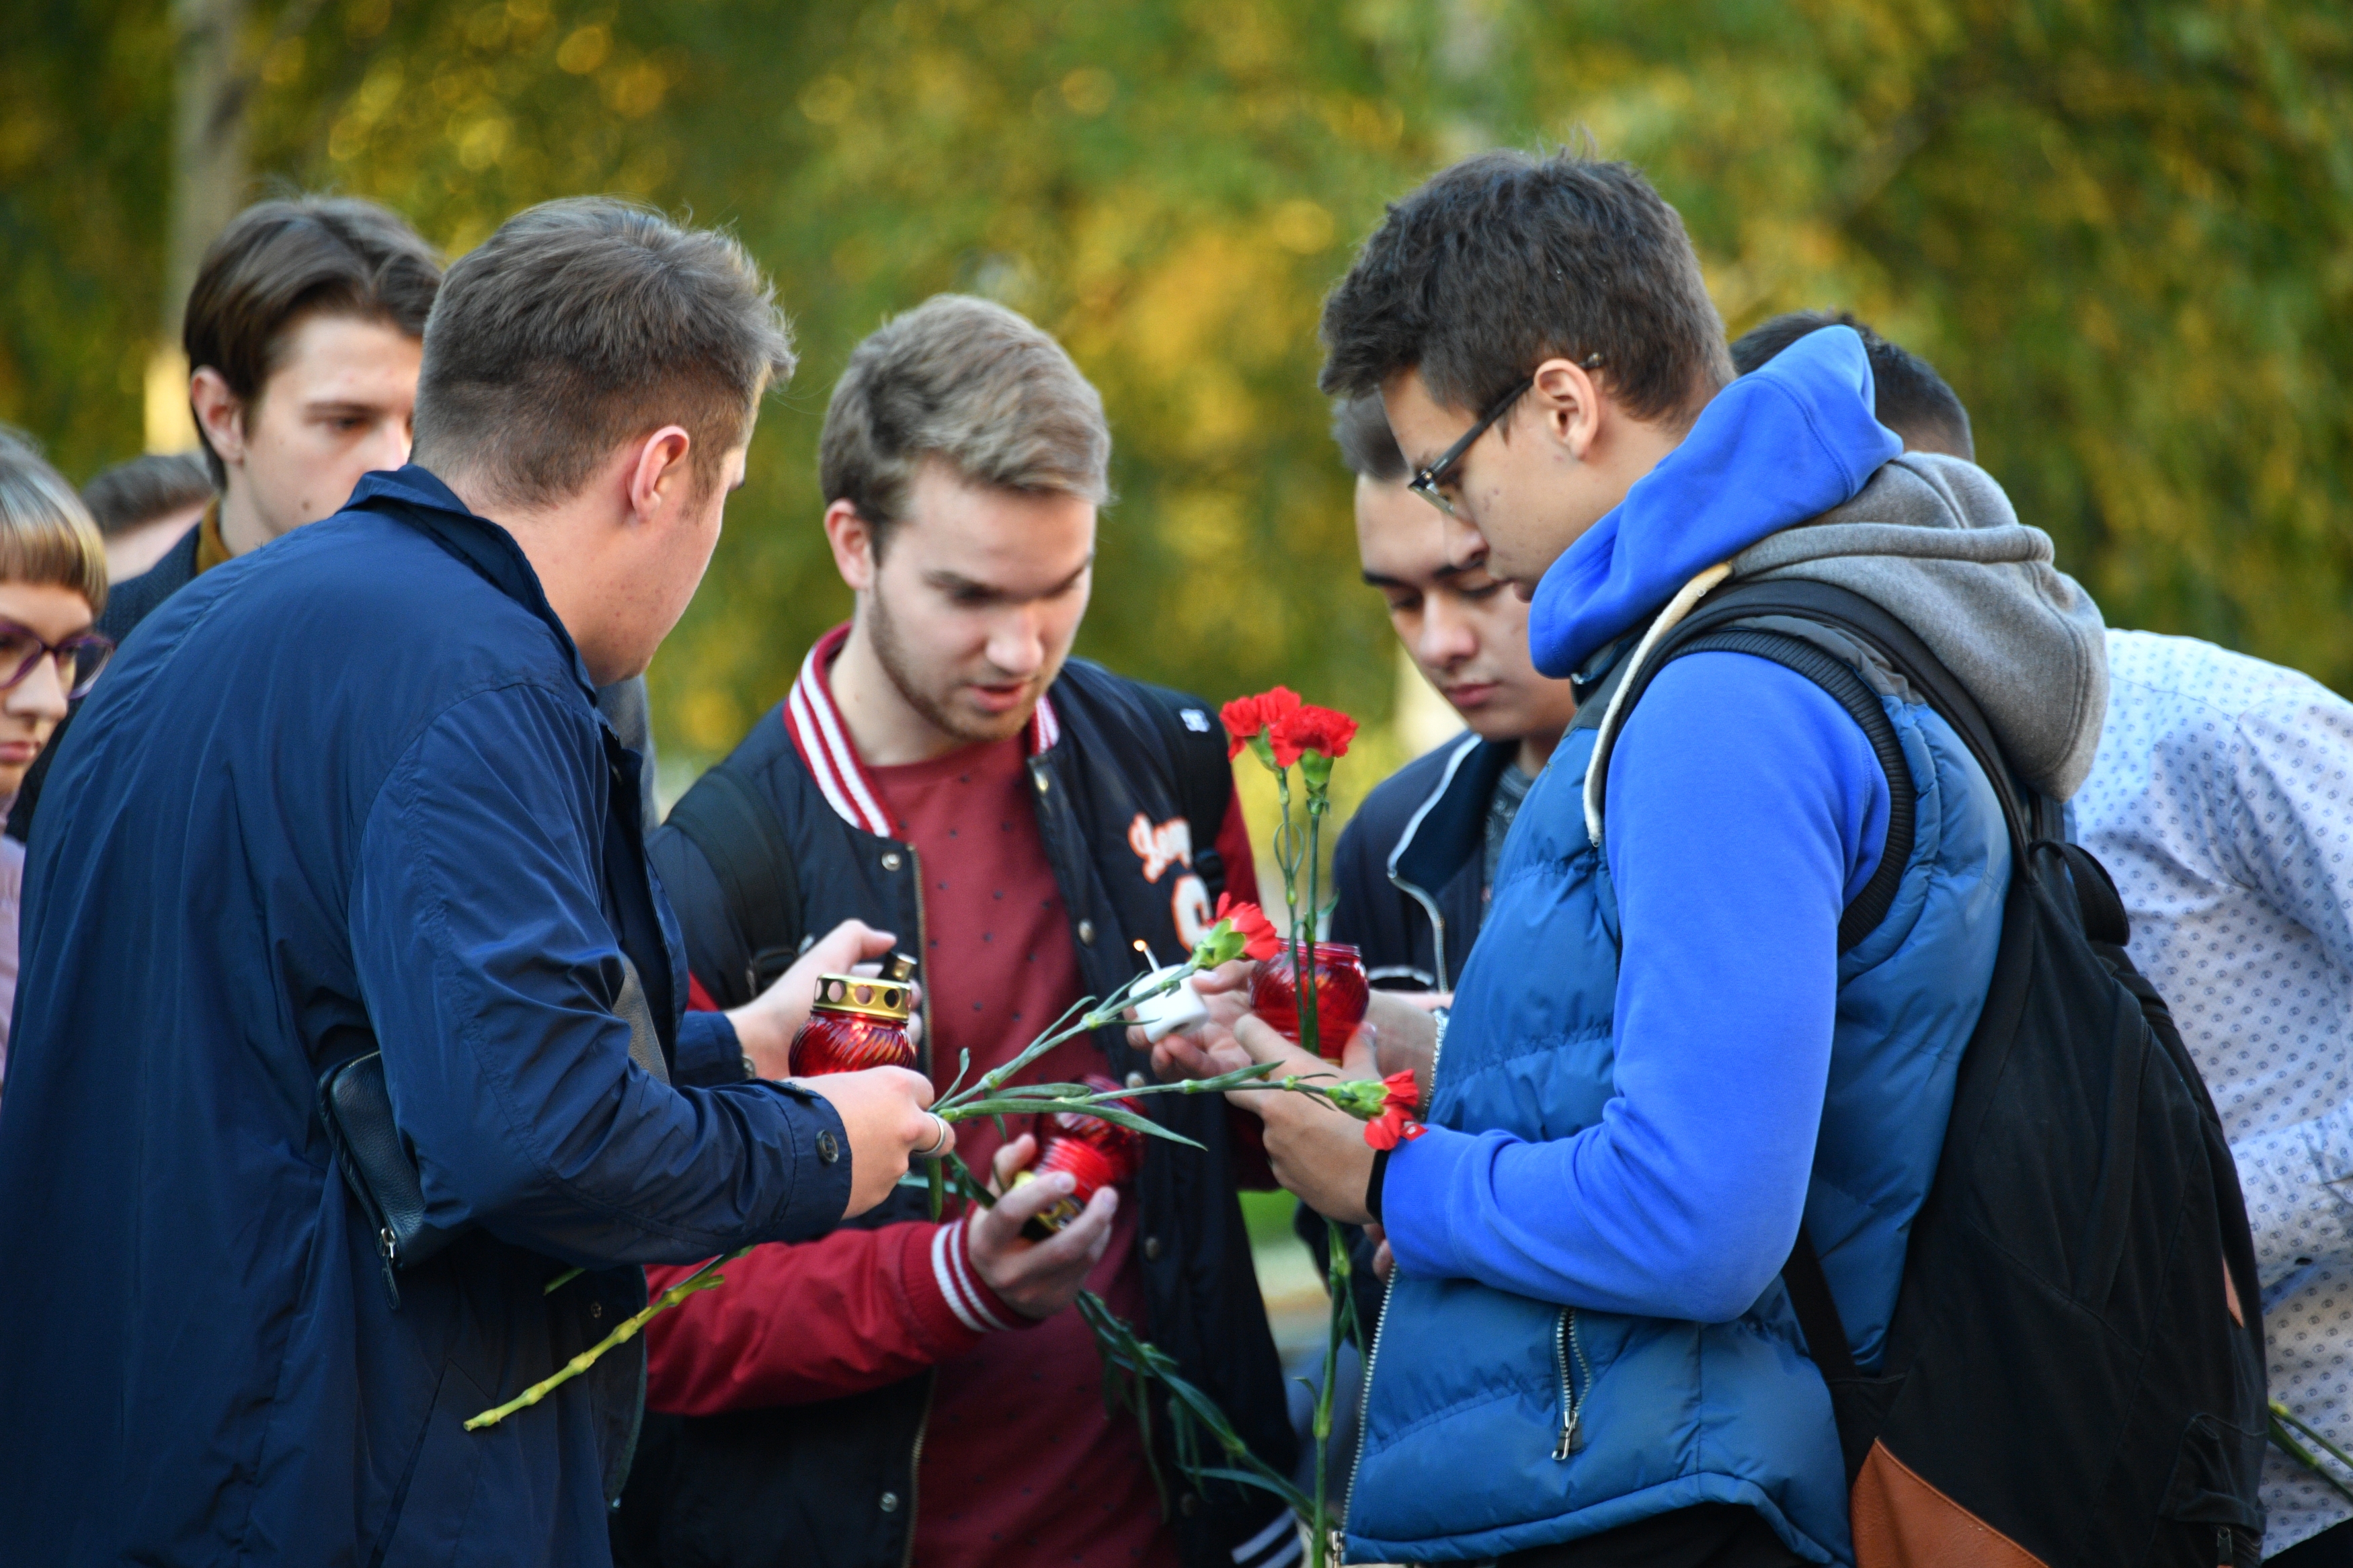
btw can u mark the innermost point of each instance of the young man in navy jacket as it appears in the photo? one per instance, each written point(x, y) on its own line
point(410, 837)
point(1412, 869)
point(1412, 872)
point(1658, 1062)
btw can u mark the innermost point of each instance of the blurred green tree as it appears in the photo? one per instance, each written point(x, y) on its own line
point(2120, 228)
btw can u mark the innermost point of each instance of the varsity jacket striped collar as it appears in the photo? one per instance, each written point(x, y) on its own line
point(825, 750)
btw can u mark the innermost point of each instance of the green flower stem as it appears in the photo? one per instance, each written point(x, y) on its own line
point(561, 1280)
point(1311, 1022)
point(990, 1083)
point(1131, 1363)
point(2283, 1419)
point(1335, 1277)
point(702, 1279)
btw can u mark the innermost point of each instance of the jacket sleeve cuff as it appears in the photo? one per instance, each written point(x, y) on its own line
point(708, 1052)
point(1416, 1183)
point(818, 1149)
point(949, 1297)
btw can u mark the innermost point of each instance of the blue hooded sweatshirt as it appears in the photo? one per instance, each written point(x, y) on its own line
point(1683, 1200)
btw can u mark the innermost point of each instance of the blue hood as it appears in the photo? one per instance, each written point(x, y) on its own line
point(1780, 445)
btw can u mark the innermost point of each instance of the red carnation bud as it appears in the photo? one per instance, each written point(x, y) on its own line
point(1259, 938)
point(1396, 1123)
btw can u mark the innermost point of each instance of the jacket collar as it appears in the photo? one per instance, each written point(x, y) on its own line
point(417, 497)
point(823, 741)
point(1450, 826)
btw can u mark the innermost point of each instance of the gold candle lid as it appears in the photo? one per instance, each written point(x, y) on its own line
point(865, 996)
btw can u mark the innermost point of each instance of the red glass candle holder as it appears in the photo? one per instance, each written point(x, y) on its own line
point(1095, 1153)
point(1341, 993)
point(859, 1021)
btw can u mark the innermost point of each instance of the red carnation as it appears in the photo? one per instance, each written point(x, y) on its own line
point(1247, 717)
point(1396, 1123)
point(1326, 731)
point(1258, 934)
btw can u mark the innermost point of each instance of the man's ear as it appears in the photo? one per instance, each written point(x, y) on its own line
point(220, 414)
point(852, 538)
point(1569, 401)
point(660, 480)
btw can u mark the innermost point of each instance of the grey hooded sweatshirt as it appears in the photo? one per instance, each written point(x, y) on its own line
point(1933, 541)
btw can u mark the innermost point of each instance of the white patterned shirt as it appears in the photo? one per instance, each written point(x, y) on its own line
point(2222, 803)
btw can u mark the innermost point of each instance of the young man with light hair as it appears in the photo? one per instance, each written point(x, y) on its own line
point(1034, 827)
point(408, 851)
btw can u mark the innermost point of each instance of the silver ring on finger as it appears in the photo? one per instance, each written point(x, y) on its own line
point(940, 1144)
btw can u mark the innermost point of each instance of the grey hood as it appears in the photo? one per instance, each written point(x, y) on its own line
point(1933, 541)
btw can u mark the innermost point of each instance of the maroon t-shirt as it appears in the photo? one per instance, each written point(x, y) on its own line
point(1021, 1465)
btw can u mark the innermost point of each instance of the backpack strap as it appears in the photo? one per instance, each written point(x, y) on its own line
point(739, 834)
point(1817, 1309)
point(1714, 628)
point(1842, 610)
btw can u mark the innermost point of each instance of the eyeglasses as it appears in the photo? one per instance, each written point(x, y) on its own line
point(1429, 483)
point(79, 657)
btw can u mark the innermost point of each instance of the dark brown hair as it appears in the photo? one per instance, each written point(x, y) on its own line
point(1907, 394)
point(278, 262)
point(582, 323)
point(1508, 259)
point(133, 493)
point(983, 389)
point(46, 534)
point(1368, 444)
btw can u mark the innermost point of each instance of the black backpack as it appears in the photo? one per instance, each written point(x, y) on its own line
point(2075, 1369)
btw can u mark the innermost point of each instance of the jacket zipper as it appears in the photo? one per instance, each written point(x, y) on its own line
point(1565, 1342)
point(387, 1248)
point(1437, 929)
point(1373, 1357)
point(923, 1423)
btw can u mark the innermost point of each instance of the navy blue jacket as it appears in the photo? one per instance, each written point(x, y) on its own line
point(1407, 873)
point(350, 792)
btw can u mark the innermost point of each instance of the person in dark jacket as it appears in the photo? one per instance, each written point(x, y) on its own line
point(145, 505)
point(303, 332)
point(913, 1389)
point(1413, 868)
point(405, 832)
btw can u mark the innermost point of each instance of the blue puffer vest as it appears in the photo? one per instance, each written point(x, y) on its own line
point(1473, 1388)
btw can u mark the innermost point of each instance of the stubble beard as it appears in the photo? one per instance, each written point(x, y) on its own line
point(901, 671)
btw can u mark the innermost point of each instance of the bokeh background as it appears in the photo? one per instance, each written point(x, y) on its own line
point(2119, 226)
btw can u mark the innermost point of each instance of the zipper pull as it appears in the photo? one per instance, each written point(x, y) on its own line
point(388, 1249)
point(1572, 1437)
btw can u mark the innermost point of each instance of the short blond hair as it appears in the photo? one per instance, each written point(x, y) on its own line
point(968, 382)
point(46, 534)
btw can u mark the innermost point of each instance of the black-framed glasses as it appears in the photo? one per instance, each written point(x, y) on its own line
point(1426, 484)
point(1429, 483)
point(79, 657)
